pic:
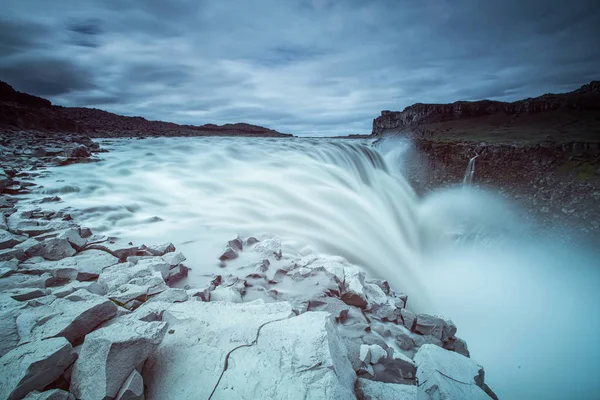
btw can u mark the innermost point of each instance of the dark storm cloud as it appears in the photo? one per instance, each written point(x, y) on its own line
point(304, 66)
point(46, 76)
point(17, 37)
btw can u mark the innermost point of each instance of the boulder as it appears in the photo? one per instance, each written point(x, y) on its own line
point(171, 296)
point(8, 240)
point(72, 287)
point(269, 247)
point(174, 259)
point(120, 274)
point(79, 151)
point(9, 254)
point(226, 350)
point(133, 387)
point(408, 318)
point(367, 389)
point(74, 237)
point(72, 317)
point(430, 325)
point(109, 355)
point(9, 334)
point(377, 353)
point(378, 304)
point(53, 394)
point(443, 374)
point(458, 345)
point(138, 290)
point(160, 249)
point(8, 267)
point(51, 249)
point(32, 366)
point(227, 294)
point(24, 294)
point(189, 361)
point(15, 281)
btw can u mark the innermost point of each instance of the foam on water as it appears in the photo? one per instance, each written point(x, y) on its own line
point(526, 306)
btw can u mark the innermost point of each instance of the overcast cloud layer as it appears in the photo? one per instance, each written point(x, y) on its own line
point(308, 67)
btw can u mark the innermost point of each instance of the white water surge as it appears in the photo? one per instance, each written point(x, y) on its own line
point(527, 307)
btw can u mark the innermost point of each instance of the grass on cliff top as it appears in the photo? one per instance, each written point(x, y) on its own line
point(561, 126)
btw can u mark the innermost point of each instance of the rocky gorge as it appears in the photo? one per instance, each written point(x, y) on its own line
point(543, 152)
point(87, 316)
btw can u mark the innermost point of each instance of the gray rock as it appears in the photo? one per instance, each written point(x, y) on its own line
point(133, 387)
point(377, 353)
point(160, 249)
point(109, 355)
point(8, 267)
point(72, 287)
point(54, 394)
point(252, 338)
point(171, 296)
point(367, 389)
point(228, 254)
point(74, 237)
point(8, 240)
point(84, 266)
point(15, 281)
point(174, 259)
point(72, 317)
point(9, 254)
point(138, 290)
point(408, 318)
point(51, 249)
point(3, 224)
point(33, 366)
point(227, 294)
point(177, 273)
point(458, 345)
point(430, 325)
point(443, 374)
point(9, 334)
point(449, 330)
point(24, 294)
point(270, 247)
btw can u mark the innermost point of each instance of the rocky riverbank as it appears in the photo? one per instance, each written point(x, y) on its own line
point(91, 317)
point(24, 112)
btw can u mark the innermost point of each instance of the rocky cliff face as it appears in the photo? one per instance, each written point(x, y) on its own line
point(21, 111)
point(542, 153)
point(584, 99)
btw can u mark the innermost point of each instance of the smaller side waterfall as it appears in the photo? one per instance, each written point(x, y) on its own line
point(470, 171)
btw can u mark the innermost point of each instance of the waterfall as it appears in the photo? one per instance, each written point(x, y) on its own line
point(470, 172)
point(458, 251)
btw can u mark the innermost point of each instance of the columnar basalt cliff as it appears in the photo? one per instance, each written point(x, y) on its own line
point(21, 111)
point(542, 152)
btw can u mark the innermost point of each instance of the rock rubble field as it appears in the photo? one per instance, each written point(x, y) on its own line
point(85, 316)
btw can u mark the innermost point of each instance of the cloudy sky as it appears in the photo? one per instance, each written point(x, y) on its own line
point(308, 67)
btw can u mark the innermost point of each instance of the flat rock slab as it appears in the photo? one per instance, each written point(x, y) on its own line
point(444, 374)
point(83, 266)
point(109, 355)
point(33, 366)
point(8, 240)
point(372, 390)
point(249, 350)
point(72, 317)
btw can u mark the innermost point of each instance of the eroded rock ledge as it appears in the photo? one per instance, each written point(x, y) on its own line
point(83, 316)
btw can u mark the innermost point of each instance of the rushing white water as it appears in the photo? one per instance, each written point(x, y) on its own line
point(526, 306)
